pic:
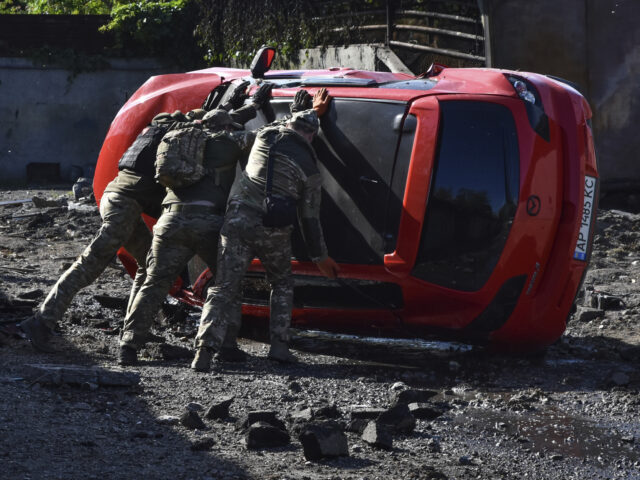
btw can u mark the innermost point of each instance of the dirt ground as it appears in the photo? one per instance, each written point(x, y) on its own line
point(568, 413)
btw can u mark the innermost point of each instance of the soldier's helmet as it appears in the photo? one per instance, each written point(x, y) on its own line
point(306, 120)
point(196, 114)
point(219, 118)
point(178, 116)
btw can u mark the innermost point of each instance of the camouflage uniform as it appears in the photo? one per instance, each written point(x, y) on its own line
point(244, 237)
point(125, 198)
point(121, 226)
point(189, 225)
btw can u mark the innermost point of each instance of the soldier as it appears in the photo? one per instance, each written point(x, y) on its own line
point(191, 220)
point(281, 182)
point(131, 193)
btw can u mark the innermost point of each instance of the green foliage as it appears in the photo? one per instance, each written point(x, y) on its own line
point(13, 6)
point(163, 29)
point(70, 7)
point(58, 7)
point(233, 31)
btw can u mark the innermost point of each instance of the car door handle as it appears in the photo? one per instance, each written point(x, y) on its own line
point(364, 179)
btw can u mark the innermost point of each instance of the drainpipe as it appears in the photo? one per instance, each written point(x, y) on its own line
point(484, 7)
point(389, 22)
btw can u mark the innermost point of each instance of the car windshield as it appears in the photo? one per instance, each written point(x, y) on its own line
point(473, 195)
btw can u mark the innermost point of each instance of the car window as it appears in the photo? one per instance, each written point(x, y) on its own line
point(473, 195)
point(364, 149)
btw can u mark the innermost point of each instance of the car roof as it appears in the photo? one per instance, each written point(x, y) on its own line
point(349, 82)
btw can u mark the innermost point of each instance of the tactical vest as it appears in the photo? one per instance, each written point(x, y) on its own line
point(179, 157)
point(140, 157)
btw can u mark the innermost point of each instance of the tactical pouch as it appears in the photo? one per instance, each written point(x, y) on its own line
point(279, 210)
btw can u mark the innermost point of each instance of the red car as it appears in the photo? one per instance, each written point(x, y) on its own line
point(458, 202)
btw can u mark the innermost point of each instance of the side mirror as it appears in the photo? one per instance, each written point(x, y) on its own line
point(262, 61)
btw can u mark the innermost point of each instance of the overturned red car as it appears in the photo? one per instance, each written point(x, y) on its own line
point(460, 202)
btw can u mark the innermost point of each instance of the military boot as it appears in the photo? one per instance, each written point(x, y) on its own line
point(202, 360)
point(279, 352)
point(37, 333)
point(127, 356)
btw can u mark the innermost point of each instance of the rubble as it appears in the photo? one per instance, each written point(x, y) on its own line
point(264, 435)
point(410, 395)
point(425, 411)
point(203, 444)
point(586, 382)
point(79, 375)
point(192, 420)
point(41, 202)
point(264, 416)
point(323, 440)
point(398, 419)
point(377, 436)
point(219, 410)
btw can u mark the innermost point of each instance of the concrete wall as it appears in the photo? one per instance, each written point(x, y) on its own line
point(594, 43)
point(45, 116)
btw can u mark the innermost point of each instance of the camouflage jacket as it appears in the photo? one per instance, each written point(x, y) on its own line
point(295, 174)
point(222, 153)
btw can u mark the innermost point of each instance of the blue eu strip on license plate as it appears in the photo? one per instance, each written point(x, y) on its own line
point(588, 207)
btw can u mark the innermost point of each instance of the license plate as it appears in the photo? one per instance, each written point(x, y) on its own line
point(588, 203)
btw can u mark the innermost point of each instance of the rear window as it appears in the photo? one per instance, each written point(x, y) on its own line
point(473, 195)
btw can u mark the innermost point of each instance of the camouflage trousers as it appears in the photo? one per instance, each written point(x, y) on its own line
point(243, 237)
point(121, 226)
point(178, 236)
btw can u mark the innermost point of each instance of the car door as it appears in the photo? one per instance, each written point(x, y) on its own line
point(364, 148)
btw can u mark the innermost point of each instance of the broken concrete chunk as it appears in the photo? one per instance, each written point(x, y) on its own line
point(266, 416)
point(79, 375)
point(358, 425)
point(586, 314)
point(425, 411)
point(328, 411)
point(41, 202)
point(192, 421)
point(168, 419)
point(306, 414)
point(323, 440)
point(82, 188)
point(172, 352)
point(377, 436)
point(194, 407)
point(219, 410)
point(602, 301)
point(398, 387)
point(203, 444)
point(411, 396)
point(264, 435)
point(366, 413)
point(108, 301)
point(398, 419)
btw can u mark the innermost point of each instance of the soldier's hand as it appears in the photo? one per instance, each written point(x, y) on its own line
point(302, 101)
point(328, 267)
point(321, 101)
point(262, 95)
point(238, 95)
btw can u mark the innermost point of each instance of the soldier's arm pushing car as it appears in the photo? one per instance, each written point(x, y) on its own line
point(309, 205)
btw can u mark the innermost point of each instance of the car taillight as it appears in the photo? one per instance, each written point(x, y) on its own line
point(523, 92)
point(533, 103)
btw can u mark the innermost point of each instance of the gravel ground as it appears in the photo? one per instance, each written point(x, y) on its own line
point(569, 413)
